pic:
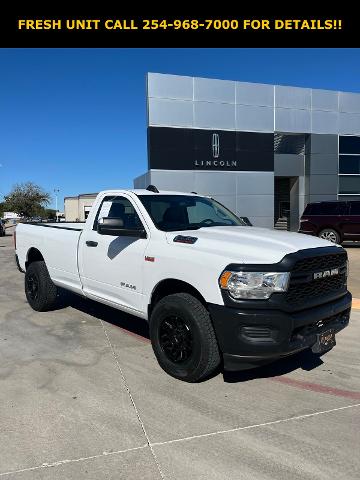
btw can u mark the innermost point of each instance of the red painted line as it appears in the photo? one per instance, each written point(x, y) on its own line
point(315, 387)
point(135, 335)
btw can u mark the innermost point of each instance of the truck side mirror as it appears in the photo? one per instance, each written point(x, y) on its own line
point(115, 226)
point(246, 221)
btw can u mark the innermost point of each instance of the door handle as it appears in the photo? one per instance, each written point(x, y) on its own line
point(91, 243)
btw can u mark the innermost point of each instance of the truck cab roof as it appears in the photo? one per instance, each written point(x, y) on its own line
point(161, 192)
point(143, 191)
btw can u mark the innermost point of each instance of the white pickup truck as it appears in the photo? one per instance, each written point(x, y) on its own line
point(212, 288)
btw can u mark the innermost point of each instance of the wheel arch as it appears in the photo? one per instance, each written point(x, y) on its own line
point(170, 286)
point(330, 227)
point(33, 255)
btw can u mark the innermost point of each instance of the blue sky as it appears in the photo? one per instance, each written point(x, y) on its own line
point(75, 119)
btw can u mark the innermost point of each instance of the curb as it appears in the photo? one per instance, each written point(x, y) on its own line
point(355, 304)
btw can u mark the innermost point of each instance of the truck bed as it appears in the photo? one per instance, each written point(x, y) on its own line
point(58, 245)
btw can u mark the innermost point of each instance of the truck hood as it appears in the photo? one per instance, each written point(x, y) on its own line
point(247, 244)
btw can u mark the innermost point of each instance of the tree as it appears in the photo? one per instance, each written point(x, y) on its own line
point(26, 199)
point(50, 213)
point(2, 209)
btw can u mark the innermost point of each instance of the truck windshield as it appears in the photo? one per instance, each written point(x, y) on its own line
point(181, 212)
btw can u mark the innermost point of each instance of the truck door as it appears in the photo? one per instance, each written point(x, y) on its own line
point(111, 267)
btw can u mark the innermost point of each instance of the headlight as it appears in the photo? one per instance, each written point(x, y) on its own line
point(254, 285)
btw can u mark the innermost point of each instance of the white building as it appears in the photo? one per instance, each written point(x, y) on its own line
point(77, 208)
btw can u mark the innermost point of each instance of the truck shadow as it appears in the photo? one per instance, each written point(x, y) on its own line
point(305, 360)
point(108, 314)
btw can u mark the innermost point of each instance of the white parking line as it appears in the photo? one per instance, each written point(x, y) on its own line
point(73, 460)
point(248, 427)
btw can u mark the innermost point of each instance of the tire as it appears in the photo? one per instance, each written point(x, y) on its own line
point(183, 338)
point(40, 291)
point(330, 235)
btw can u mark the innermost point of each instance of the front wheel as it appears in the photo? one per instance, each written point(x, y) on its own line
point(40, 291)
point(330, 235)
point(183, 338)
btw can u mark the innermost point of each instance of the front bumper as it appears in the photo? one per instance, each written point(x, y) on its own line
point(249, 338)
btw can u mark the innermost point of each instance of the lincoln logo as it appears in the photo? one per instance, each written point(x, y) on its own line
point(326, 273)
point(215, 145)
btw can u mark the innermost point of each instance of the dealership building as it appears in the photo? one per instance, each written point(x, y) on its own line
point(77, 208)
point(262, 150)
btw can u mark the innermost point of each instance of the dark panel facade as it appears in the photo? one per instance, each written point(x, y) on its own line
point(349, 144)
point(196, 149)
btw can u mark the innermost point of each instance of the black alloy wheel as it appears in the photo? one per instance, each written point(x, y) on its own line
point(40, 291)
point(175, 339)
point(183, 338)
point(32, 286)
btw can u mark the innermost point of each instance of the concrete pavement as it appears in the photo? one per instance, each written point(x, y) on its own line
point(82, 396)
point(353, 250)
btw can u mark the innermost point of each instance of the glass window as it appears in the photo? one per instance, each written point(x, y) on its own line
point(308, 209)
point(349, 144)
point(349, 184)
point(289, 143)
point(181, 212)
point(118, 207)
point(349, 164)
point(354, 208)
point(327, 208)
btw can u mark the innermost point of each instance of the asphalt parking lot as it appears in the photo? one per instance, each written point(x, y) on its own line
point(82, 397)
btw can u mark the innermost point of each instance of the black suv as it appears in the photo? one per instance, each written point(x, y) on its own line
point(334, 221)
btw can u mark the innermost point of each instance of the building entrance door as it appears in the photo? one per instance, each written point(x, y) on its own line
point(286, 203)
point(281, 203)
point(284, 209)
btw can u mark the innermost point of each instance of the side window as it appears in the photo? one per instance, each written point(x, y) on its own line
point(328, 208)
point(355, 208)
point(308, 209)
point(118, 207)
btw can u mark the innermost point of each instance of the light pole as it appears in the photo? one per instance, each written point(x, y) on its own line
point(56, 191)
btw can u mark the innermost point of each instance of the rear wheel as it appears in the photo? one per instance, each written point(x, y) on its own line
point(40, 291)
point(183, 338)
point(330, 235)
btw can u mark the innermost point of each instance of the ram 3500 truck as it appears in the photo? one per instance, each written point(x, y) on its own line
point(212, 288)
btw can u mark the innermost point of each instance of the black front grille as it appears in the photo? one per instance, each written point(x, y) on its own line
point(301, 292)
point(325, 262)
point(303, 287)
